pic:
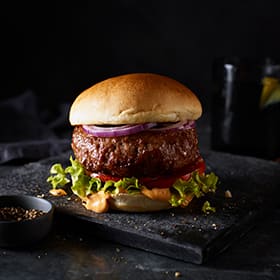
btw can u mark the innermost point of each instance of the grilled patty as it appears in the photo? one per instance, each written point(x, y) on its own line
point(145, 154)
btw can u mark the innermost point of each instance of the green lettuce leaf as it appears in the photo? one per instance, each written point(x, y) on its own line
point(84, 185)
point(206, 208)
point(58, 177)
point(131, 185)
point(198, 185)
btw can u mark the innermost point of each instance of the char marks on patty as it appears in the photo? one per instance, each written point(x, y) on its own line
point(145, 154)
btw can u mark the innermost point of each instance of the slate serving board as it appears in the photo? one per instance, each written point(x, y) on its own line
point(184, 234)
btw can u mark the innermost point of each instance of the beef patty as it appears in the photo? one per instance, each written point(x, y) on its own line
point(145, 154)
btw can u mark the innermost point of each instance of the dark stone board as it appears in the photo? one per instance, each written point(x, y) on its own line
point(184, 234)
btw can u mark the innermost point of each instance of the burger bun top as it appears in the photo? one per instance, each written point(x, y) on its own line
point(135, 98)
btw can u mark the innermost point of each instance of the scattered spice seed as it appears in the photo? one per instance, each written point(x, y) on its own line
point(58, 192)
point(178, 274)
point(228, 194)
point(215, 226)
point(19, 214)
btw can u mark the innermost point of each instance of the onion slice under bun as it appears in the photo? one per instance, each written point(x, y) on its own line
point(115, 131)
point(178, 125)
point(123, 130)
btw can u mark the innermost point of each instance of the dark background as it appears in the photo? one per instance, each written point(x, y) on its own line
point(57, 49)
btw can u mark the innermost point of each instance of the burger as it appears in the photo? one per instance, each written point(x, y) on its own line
point(135, 146)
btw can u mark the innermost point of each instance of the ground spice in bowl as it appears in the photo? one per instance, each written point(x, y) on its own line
point(19, 214)
point(24, 220)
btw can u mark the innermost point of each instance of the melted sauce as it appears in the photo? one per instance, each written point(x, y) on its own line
point(158, 193)
point(58, 192)
point(97, 202)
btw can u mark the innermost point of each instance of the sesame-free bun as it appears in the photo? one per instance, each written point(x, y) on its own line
point(135, 98)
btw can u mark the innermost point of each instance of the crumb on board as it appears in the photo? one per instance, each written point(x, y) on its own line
point(178, 274)
point(228, 194)
point(58, 192)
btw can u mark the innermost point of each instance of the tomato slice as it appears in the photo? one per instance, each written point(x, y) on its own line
point(104, 177)
point(200, 166)
point(168, 181)
point(159, 181)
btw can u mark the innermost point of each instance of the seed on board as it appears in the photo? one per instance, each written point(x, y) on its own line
point(178, 274)
point(228, 194)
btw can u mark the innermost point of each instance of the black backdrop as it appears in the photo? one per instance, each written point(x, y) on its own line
point(59, 48)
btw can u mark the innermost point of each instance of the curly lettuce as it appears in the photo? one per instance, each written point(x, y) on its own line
point(198, 185)
point(207, 208)
point(83, 185)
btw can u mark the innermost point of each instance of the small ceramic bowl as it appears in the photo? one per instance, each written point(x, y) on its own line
point(24, 220)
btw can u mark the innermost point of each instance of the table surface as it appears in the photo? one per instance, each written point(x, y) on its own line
point(69, 252)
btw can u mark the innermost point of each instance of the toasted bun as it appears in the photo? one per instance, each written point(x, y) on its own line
point(135, 98)
point(136, 203)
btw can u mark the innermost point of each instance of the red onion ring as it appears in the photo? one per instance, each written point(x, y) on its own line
point(123, 130)
point(179, 125)
point(115, 131)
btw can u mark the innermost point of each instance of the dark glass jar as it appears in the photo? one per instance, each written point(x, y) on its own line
point(235, 114)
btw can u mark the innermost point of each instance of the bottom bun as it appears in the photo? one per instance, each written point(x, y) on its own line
point(136, 203)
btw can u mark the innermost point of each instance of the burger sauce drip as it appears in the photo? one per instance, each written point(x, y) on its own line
point(58, 192)
point(97, 202)
point(162, 194)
